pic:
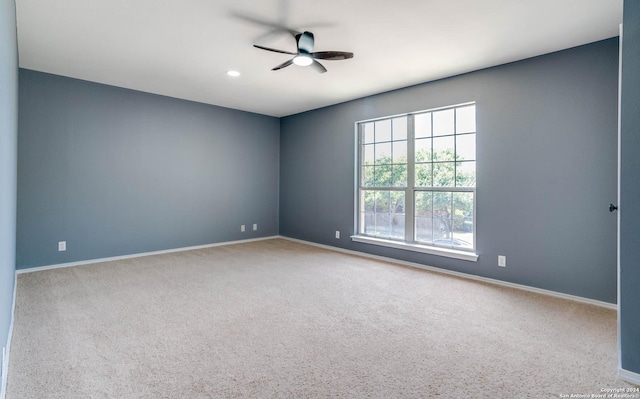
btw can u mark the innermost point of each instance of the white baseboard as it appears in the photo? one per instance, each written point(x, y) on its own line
point(138, 255)
point(629, 376)
point(463, 275)
point(5, 367)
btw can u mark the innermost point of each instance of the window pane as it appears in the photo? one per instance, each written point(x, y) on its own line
point(442, 204)
point(466, 174)
point(442, 221)
point(384, 176)
point(400, 128)
point(463, 204)
point(463, 220)
point(466, 147)
point(422, 125)
point(397, 202)
point(369, 223)
point(382, 213)
point(367, 209)
point(382, 224)
point(424, 203)
point(368, 176)
point(368, 133)
point(424, 229)
point(423, 150)
point(367, 201)
point(382, 202)
point(443, 148)
point(443, 122)
point(397, 215)
point(424, 213)
point(424, 175)
point(368, 154)
point(466, 119)
point(462, 238)
point(383, 153)
point(399, 151)
point(443, 174)
point(383, 130)
point(400, 175)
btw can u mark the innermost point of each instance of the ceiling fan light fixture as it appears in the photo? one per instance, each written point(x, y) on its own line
point(302, 60)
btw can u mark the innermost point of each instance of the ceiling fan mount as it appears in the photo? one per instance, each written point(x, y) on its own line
point(305, 56)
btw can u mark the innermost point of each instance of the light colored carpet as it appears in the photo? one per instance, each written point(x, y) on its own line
point(277, 319)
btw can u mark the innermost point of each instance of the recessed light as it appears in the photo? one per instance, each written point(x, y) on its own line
point(233, 73)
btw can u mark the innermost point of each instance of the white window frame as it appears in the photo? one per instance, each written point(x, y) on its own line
point(409, 243)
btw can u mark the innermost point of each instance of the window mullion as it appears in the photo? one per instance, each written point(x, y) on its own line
point(409, 197)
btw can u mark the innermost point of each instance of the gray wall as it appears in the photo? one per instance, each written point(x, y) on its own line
point(116, 172)
point(8, 153)
point(630, 190)
point(547, 155)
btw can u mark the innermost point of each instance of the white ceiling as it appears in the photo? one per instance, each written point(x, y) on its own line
point(183, 48)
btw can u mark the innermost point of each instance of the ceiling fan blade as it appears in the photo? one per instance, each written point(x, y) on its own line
point(274, 50)
point(305, 42)
point(331, 55)
point(275, 26)
point(274, 34)
point(283, 65)
point(318, 67)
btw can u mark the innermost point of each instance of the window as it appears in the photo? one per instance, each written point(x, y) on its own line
point(417, 181)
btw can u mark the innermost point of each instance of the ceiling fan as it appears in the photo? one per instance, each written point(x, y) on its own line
point(305, 55)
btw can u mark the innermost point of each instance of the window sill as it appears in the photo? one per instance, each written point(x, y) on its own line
point(446, 252)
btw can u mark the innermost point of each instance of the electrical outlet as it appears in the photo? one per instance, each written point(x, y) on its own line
point(502, 261)
point(255, 226)
point(242, 228)
point(338, 234)
point(62, 246)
